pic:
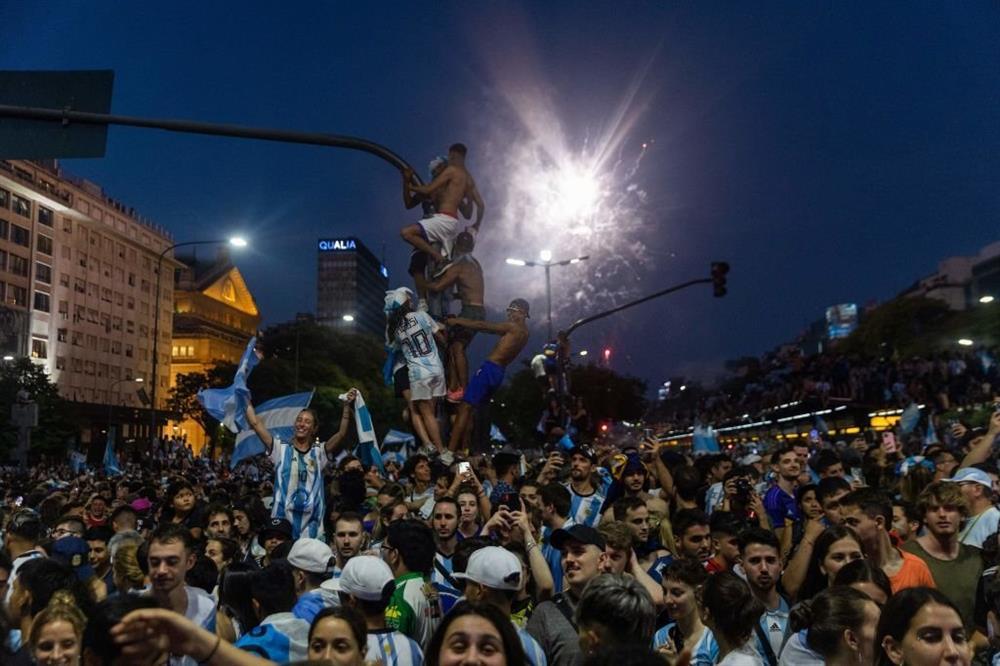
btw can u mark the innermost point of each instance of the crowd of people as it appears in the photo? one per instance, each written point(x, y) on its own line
point(578, 549)
point(636, 552)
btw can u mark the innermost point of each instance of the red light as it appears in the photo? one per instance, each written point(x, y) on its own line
point(607, 353)
point(604, 427)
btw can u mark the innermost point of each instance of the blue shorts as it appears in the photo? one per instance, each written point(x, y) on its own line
point(483, 384)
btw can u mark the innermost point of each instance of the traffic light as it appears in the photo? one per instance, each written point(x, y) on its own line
point(719, 271)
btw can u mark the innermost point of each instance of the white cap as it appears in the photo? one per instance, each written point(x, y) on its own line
point(365, 577)
point(310, 555)
point(493, 567)
point(750, 459)
point(395, 298)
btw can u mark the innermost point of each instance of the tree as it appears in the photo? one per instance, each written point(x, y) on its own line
point(55, 424)
point(606, 395)
point(183, 398)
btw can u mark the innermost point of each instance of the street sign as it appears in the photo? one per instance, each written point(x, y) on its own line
point(84, 90)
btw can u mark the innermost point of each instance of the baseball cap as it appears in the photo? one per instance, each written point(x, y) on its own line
point(581, 533)
point(364, 576)
point(584, 451)
point(972, 475)
point(73, 551)
point(494, 567)
point(278, 527)
point(520, 304)
point(395, 298)
point(750, 459)
point(310, 555)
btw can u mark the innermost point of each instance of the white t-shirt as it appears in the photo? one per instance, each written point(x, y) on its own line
point(745, 655)
point(980, 528)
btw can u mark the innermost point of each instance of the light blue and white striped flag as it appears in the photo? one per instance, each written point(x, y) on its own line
point(495, 434)
point(703, 439)
point(278, 416)
point(228, 405)
point(367, 451)
point(111, 467)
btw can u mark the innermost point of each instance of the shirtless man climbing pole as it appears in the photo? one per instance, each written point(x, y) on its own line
point(466, 274)
point(447, 190)
point(513, 336)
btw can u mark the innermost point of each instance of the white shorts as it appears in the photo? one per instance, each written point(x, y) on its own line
point(442, 229)
point(427, 388)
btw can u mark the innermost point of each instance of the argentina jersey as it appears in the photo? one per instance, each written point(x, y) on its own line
point(298, 488)
point(586, 509)
point(705, 652)
point(441, 573)
point(553, 556)
point(391, 648)
point(416, 338)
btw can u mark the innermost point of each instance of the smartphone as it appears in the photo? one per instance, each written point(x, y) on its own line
point(464, 468)
point(814, 436)
point(647, 433)
point(889, 442)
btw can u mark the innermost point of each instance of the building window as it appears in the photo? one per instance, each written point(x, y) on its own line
point(44, 216)
point(80, 286)
point(128, 351)
point(64, 309)
point(4, 198)
point(41, 302)
point(116, 347)
point(3, 260)
point(131, 279)
point(18, 265)
point(82, 258)
point(130, 326)
point(130, 304)
point(17, 295)
point(4, 229)
point(21, 206)
point(20, 235)
point(60, 362)
point(44, 245)
point(67, 225)
point(43, 273)
point(64, 280)
point(62, 334)
point(39, 348)
point(3, 292)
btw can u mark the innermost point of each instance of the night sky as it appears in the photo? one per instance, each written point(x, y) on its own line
point(831, 152)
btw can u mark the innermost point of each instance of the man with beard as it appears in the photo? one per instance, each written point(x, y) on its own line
point(171, 555)
point(762, 563)
point(586, 499)
point(349, 539)
point(954, 565)
point(692, 535)
point(779, 502)
point(633, 512)
point(552, 623)
point(444, 522)
point(555, 501)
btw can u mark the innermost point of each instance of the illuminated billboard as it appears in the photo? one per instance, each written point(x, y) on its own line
point(841, 320)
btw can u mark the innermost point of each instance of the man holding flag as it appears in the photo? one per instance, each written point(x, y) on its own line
point(298, 468)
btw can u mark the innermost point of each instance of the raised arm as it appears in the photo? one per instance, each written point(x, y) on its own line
point(409, 200)
point(982, 447)
point(258, 427)
point(480, 205)
point(434, 185)
point(336, 441)
point(497, 328)
point(449, 278)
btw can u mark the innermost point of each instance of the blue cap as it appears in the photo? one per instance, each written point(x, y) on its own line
point(75, 552)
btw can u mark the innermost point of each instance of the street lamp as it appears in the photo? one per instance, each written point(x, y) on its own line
point(348, 318)
point(986, 299)
point(965, 342)
point(546, 262)
point(111, 389)
point(8, 357)
point(583, 352)
point(235, 241)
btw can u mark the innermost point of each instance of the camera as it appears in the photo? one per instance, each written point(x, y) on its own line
point(743, 489)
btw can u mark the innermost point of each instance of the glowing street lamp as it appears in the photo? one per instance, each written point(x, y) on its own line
point(233, 241)
point(965, 342)
point(986, 299)
point(348, 318)
point(547, 263)
point(583, 352)
point(8, 357)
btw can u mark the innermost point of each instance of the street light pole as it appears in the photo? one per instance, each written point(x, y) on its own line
point(236, 242)
point(547, 263)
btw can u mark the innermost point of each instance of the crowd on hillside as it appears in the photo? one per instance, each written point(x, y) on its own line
point(942, 382)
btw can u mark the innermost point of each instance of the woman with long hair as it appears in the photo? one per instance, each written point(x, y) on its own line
point(235, 615)
point(477, 632)
point(836, 627)
point(731, 611)
point(920, 626)
point(835, 547)
point(125, 570)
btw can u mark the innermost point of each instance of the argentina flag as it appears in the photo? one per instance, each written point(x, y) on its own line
point(228, 405)
point(111, 467)
point(278, 416)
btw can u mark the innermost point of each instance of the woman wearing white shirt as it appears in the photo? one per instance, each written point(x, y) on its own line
point(732, 612)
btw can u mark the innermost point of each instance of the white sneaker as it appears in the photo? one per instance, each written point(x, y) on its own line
point(447, 457)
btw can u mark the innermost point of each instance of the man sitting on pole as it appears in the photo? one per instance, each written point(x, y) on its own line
point(447, 190)
point(513, 336)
